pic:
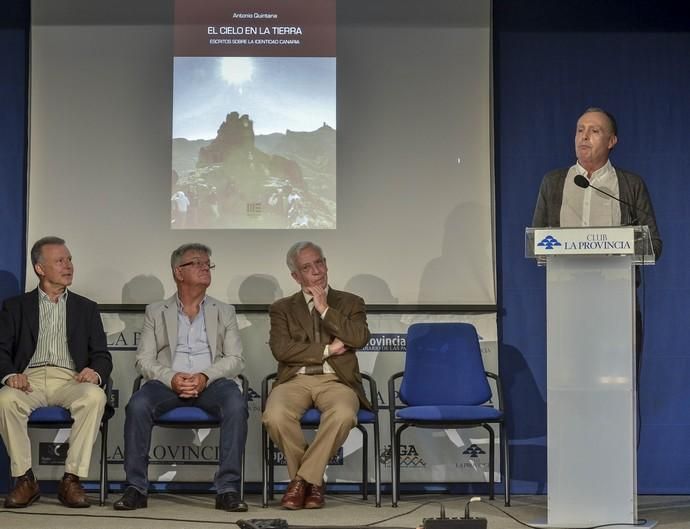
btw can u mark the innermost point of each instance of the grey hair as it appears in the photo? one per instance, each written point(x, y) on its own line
point(295, 249)
point(609, 116)
point(177, 254)
point(37, 248)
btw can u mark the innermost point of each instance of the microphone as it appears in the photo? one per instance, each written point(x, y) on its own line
point(582, 182)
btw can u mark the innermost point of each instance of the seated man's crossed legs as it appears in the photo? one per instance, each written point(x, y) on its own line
point(306, 464)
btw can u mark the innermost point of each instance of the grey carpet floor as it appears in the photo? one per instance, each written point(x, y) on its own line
point(178, 511)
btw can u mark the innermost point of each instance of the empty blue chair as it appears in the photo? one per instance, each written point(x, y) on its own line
point(444, 386)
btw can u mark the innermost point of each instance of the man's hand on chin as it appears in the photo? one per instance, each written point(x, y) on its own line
point(319, 294)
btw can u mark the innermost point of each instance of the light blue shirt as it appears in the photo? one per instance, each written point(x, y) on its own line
point(192, 354)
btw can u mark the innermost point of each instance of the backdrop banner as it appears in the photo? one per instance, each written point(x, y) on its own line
point(427, 456)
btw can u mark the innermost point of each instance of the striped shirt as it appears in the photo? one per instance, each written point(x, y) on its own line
point(51, 346)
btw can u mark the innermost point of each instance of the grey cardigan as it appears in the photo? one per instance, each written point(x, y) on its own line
point(632, 190)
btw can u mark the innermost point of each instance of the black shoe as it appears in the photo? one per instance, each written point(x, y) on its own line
point(231, 502)
point(131, 500)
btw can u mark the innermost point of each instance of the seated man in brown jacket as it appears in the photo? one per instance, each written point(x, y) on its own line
point(314, 336)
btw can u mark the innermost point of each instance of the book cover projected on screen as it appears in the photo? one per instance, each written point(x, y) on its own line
point(254, 115)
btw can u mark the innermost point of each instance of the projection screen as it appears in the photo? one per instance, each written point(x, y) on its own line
point(414, 186)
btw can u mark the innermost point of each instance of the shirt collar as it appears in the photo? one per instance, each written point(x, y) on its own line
point(308, 297)
point(180, 305)
point(43, 295)
point(599, 173)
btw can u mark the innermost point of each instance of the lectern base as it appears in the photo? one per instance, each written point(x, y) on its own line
point(541, 524)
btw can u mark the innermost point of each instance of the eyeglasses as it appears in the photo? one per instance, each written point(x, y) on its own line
point(198, 264)
point(319, 264)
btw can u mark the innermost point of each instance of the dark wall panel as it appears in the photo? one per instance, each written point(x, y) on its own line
point(552, 60)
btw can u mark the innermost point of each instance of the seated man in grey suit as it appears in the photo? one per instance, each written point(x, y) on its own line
point(190, 355)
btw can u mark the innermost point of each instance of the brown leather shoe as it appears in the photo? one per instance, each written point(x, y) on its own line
point(24, 493)
point(314, 496)
point(293, 498)
point(71, 493)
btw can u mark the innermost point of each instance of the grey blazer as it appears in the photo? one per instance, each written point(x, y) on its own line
point(547, 212)
point(155, 354)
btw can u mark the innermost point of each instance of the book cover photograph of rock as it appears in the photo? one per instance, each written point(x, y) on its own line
point(254, 143)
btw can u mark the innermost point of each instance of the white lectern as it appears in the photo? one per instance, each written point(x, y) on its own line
point(591, 373)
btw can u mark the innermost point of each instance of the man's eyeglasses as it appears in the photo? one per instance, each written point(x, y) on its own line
point(198, 264)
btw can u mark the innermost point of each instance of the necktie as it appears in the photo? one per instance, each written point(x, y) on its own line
point(316, 322)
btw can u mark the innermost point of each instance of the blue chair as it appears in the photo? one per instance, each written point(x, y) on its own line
point(56, 417)
point(444, 386)
point(192, 417)
point(310, 420)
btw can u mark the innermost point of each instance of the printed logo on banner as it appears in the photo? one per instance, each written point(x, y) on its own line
point(379, 397)
point(389, 342)
point(279, 458)
point(472, 460)
point(549, 242)
point(409, 457)
point(254, 400)
point(473, 451)
point(170, 454)
point(124, 341)
point(52, 453)
point(115, 398)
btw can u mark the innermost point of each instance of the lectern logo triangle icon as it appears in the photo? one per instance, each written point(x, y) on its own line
point(549, 242)
point(473, 451)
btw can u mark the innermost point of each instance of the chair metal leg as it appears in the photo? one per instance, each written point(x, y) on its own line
point(365, 462)
point(103, 492)
point(395, 463)
point(271, 470)
point(264, 467)
point(377, 463)
point(242, 478)
point(492, 440)
point(506, 465)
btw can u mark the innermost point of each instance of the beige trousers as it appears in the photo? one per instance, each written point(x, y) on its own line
point(51, 386)
point(287, 403)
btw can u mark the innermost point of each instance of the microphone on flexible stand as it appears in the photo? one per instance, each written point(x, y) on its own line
point(582, 182)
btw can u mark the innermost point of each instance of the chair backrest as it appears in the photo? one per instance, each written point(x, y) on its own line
point(443, 366)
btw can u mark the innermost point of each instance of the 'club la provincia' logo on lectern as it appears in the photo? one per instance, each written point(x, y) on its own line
point(549, 242)
point(585, 241)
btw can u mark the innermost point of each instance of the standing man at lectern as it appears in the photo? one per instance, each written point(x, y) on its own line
point(568, 201)
point(570, 197)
